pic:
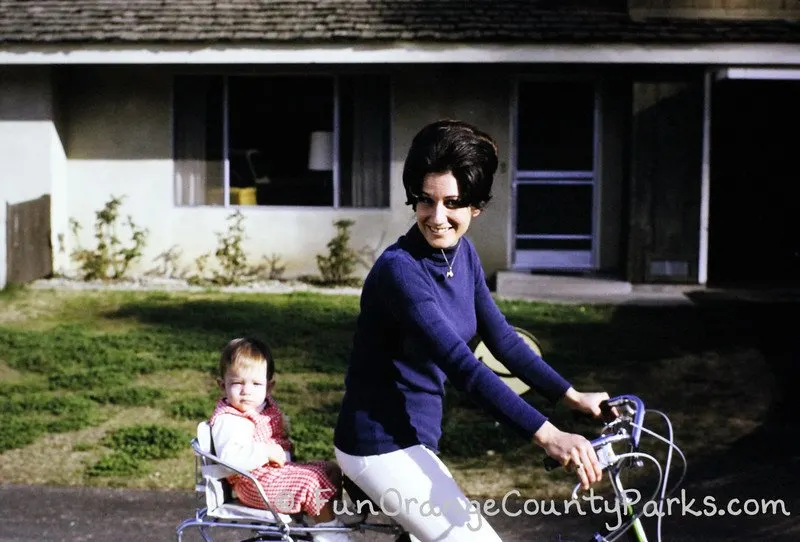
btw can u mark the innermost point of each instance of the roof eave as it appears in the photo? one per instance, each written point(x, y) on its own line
point(142, 53)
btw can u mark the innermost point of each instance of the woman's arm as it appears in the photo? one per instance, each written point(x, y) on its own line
point(507, 346)
point(233, 441)
point(586, 402)
point(409, 295)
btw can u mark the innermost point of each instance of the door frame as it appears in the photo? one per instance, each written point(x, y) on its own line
point(592, 261)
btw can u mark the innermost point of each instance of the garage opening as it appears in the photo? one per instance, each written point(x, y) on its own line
point(754, 215)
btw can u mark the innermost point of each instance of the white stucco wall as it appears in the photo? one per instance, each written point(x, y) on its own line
point(120, 143)
point(32, 159)
point(430, 93)
point(116, 127)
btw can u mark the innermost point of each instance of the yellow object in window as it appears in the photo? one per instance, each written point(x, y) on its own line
point(243, 196)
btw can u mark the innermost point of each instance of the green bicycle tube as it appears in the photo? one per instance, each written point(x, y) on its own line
point(637, 527)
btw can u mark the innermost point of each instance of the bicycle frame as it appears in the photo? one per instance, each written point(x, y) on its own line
point(626, 428)
point(615, 468)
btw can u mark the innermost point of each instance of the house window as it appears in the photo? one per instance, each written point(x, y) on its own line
point(282, 140)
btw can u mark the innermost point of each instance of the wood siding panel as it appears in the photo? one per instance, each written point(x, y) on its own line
point(666, 156)
point(28, 248)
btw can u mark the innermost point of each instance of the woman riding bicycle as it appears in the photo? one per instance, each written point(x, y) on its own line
point(422, 302)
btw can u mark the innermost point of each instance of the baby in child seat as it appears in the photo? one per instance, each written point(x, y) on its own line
point(249, 431)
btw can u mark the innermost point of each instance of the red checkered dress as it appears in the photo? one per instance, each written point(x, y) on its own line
point(293, 488)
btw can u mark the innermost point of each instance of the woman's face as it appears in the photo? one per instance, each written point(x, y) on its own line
point(441, 216)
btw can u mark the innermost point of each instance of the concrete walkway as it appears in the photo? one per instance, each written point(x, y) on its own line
point(588, 289)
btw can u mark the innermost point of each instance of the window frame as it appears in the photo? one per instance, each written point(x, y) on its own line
point(336, 78)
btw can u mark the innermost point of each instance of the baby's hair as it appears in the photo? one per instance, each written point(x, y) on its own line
point(246, 352)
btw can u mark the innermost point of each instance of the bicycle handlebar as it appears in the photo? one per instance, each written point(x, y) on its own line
point(620, 402)
point(638, 413)
point(624, 416)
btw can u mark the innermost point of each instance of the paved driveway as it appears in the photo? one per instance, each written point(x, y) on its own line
point(86, 514)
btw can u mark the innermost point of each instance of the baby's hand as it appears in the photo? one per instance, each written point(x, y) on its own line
point(277, 461)
point(276, 456)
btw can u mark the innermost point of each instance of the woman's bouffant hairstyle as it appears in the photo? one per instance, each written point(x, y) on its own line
point(458, 148)
point(245, 352)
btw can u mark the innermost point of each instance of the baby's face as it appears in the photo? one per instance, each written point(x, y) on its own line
point(246, 387)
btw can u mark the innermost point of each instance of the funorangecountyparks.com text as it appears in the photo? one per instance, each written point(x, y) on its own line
point(512, 504)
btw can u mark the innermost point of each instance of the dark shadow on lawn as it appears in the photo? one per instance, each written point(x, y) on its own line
point(765, 464)
point(762, 465)
point(319, 333)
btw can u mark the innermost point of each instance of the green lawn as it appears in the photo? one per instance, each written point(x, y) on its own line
point(105, 388)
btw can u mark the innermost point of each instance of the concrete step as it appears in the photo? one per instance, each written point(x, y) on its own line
point(522, 284)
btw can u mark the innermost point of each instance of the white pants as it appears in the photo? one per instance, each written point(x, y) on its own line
point(417, 490)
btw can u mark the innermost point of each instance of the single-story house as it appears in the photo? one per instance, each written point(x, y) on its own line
point(646, 140)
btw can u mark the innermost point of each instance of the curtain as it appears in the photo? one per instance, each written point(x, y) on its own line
point(370, 158)
point(196, 142)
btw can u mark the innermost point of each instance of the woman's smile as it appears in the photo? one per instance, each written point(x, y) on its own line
point(441, 216)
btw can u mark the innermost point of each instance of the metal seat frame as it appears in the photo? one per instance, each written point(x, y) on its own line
point(219, 508)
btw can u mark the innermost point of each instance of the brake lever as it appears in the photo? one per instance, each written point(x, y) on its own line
point(608, 412)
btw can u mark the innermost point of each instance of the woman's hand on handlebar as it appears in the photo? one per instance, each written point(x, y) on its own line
point(588, 403)
point(573, 451)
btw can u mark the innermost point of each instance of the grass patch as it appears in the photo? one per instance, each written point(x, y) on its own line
point(9, 376)
point(105, 388)
point(117, 464)
point(128, 396)
point(193, 408)
point(148, 441)
point(23, 419)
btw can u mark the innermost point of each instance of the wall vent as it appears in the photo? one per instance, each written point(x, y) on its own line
point(669, 268)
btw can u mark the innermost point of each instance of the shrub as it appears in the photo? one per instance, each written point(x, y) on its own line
point(337, 267)
point(270, 268)
point(110, 258)
point(169, 263)
point(230, 254)
point(231, 257)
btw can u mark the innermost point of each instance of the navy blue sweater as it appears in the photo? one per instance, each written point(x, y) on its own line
point(412, 334)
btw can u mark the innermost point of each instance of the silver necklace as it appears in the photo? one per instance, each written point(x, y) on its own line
point(449, 273)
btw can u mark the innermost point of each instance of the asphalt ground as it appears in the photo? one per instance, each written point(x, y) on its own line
point(54, 514)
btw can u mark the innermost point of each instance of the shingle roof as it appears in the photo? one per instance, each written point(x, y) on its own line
point(282, 21)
